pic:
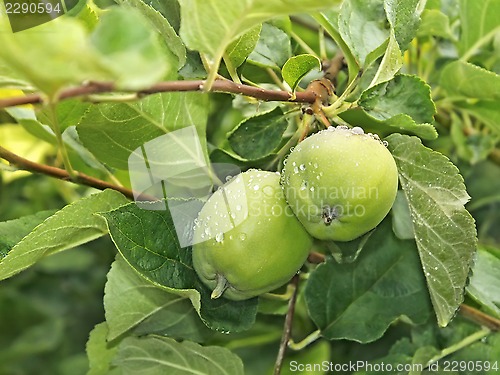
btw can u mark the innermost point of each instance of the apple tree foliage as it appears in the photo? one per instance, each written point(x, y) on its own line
point(93, 283)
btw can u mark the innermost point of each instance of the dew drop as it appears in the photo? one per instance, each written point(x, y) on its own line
point(312, 188)
point(219, 237)
point(269, 191)
point(302, 167)
point(242, 236)
point(238, 208)
point(295, 170)
point(357, 130)
point(256, 187)
point(228, 178)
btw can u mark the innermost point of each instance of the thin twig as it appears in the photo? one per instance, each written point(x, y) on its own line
point(480, 317)
point(81, 179)
point(316, 258)
point(287, 329)
point(168, 86)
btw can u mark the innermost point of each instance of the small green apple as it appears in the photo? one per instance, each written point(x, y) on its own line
point(340, 183)
point(247, 239)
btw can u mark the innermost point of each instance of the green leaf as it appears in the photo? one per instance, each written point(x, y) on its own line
point(147, 241)
point(69, 113)
point(359, 301)
point(100, 353)
point(130, 49)
point(26, 116)
point(390, 64)
point(362, 27)
point(464, 79)
point(159, 21)
point(401, 223)
point(404, 17)
point(170, 9)
point(112, 131)
point(484, 110)
point(133, 303)
point(404, 102)
point(228, 157)
point(297, 67)
point(329, 20)
point(123, 48)
point(13, 231)
point(74, 225)
point(258, 136)
point(211, 26)
point(162, 355)
point(65, 38)
point(87, 14)
point(444, 231)
point(273, 48)
point(484, 286)
point(478, 19)
point(238, 51)
point(435, 23)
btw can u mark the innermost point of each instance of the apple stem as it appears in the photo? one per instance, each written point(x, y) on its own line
point(220, 288)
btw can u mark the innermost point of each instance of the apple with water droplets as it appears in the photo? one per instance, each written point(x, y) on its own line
point(247, 239)
point(340, 183)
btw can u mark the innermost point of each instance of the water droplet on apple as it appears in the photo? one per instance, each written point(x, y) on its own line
point(219, 237)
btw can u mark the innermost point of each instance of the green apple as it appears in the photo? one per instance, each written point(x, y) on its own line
point(247, 239)
point(340, 183)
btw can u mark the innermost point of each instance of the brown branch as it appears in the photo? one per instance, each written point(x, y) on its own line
point(287, 329)
point(169, 86)
point(480, 317)
point(82, 179)
point(316, 258)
